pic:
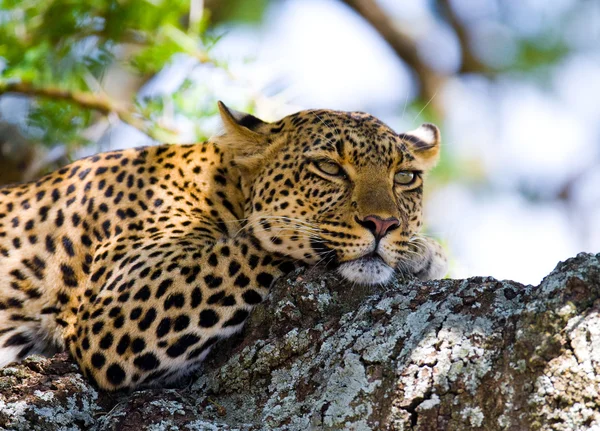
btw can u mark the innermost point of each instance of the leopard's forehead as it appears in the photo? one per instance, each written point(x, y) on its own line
point(355, 137)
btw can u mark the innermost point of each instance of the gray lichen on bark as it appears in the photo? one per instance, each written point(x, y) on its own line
point(323, 354)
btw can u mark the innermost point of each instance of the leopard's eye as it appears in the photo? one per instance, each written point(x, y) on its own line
point(329, 168)
point(405, 178)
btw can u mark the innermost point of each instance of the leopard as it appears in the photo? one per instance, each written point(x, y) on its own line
point(138, 261)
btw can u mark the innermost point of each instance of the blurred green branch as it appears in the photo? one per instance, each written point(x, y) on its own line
point(94, 101)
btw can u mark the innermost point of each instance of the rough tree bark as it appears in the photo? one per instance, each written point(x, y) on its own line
point(476, 354)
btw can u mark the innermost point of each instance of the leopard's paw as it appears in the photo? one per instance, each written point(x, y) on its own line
point(428, 259)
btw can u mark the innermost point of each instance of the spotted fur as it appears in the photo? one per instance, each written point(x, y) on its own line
point(139, 261)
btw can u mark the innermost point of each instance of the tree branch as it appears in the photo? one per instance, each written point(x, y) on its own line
point(470, 62)
point(96, 102)
point(404, 47)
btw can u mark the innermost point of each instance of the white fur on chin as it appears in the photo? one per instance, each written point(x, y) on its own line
point(366, 271)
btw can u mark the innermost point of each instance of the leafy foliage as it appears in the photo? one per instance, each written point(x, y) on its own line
point(69, 46)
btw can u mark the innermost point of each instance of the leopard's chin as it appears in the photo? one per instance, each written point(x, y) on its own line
point(368, 270)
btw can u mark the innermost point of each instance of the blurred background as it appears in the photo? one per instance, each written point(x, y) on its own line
point(513, 84)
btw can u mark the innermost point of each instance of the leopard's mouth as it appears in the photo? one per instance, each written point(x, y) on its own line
point(370, 269)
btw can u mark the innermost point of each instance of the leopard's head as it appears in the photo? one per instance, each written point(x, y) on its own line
point(331, 187)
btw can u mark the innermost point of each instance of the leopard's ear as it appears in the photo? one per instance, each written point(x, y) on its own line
point(237, 121)
point(425, 141)
point(246, 136)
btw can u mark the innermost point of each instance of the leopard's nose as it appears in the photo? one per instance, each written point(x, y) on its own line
point(379, 227)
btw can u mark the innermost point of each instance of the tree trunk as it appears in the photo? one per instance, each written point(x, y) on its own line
point(476, 354)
